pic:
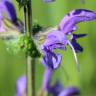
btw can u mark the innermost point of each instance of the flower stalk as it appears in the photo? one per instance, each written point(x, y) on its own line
point(30, 60)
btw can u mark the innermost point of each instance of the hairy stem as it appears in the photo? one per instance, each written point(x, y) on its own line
point(31, 61)
point(33, 77)
point(29, 82)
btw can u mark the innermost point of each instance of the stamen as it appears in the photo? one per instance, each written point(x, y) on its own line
point(75, 56)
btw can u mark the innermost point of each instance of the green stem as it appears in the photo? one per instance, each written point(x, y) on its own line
point(30, 60)
point(29, 18)
point(29, 77)
point(25, 23)
point(33, 77)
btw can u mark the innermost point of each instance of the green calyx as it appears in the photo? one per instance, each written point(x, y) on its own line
point(28, 45)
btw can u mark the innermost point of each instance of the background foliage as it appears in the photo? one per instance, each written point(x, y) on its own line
point(13, 66)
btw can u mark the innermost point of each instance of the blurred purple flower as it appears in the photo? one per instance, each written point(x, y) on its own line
point(1, 23)
point(70, 91)
point(46, 87)
point(48, 1)
point(46, 78)
point(7, 7)
point(56, 89)
point(21, 86)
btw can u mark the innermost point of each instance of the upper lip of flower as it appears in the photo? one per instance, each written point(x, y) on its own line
point(68, 23)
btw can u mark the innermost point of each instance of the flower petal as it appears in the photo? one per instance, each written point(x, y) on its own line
point(49, 61)
point(21, 86)
point(70, 91)
point(55, 89)
point(11, 11)
point(56, 62)
point(46, 78)
point(76, 36)
point(7, 7)
point(69, 21)
point(76, 46)
point(55, 39)
point(48, 1)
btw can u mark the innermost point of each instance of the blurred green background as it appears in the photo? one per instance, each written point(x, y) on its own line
point(14, 66)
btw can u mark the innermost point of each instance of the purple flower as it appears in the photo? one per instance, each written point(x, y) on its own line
point(70, 91)
point(51, 59)
point(57, 39)
point(54, 40)
point(58, 90)
point(7, 7)
point(46, 87)
point(21, 86)
point(55, 89)
point(48, 1)
point(68, 24)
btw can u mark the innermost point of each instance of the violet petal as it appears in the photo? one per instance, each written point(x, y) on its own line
point(70, 91)
point(21, 86)
point(48, 1)
point(76, 46)
point(69, 21)
point(76, 36)
point(55, 89)
point(11, 11)
point(51, 62)
point(55, 39)
point(46, 78)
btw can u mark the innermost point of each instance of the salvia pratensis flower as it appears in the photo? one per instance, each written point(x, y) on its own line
point(68, 26)
point(57, 88)
point(57, 39)
point(54, 40)
point(70, 91)
point(46, 87)
point(8, 13)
